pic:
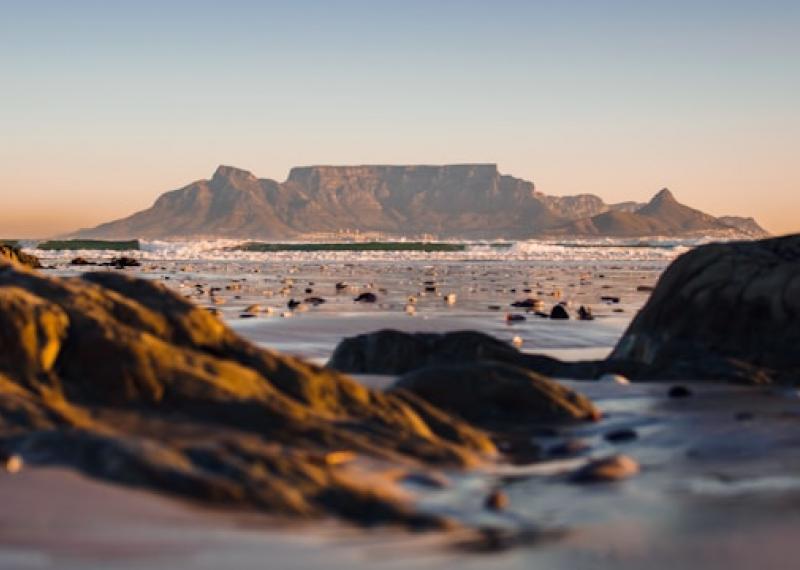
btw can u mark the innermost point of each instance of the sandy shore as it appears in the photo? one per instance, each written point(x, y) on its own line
point(718, 489)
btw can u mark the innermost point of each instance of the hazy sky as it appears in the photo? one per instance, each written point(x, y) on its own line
point(104, 105)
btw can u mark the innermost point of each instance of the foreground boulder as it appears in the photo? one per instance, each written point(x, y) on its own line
point(125, 380)
point(724, 311)
point(12, 253)
point(497, 396)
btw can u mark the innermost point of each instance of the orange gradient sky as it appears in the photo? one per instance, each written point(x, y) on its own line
point(104, 106)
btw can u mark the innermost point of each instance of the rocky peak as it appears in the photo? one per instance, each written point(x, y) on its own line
point(231, 173)
point(664, 196)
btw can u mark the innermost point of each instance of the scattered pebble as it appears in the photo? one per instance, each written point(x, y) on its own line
point(366, 298)
point(615, 378)
point(517, 341)
point(607, 469)
point(497, 500)
point(621, 435)
point(11, 462)
point(679, 392)
point(569, 448)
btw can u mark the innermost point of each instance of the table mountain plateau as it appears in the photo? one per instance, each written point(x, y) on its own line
point(451, 201)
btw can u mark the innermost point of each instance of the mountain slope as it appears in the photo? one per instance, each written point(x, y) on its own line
point(661, 216)
point(458, 201)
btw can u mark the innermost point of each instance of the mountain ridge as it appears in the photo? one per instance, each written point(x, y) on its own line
point(449, 201)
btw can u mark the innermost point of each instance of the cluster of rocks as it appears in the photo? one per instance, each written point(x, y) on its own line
point(117, 262)
point(127, 381)
point(725, 312)
point(559, 311)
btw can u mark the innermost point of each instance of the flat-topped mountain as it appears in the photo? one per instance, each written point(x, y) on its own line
point(461, 200)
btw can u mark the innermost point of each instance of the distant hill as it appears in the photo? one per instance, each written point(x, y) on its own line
point(662, 216)
point(452, 201)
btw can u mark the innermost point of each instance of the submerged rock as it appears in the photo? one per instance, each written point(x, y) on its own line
point(725, 311)
point(124, 380)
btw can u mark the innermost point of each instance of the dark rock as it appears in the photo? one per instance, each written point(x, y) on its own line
point(559, 312)
point(679, 392)
point(122, 262)
point(497, 500)
point(610, 300)
point(341, 286)
point(621, 435)
point(514, 318)
point(394, 352)
point(585, 314)
point(723, 311)
point(315, 301)
point(645, 288)
point(366, 298)
point(81, 261)
point(492, 395)
point(528, 304)
point(292, 304)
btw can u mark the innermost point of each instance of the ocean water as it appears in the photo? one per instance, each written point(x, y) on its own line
point(599, 249)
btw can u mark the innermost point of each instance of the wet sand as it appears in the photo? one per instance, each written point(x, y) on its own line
point(719, 486)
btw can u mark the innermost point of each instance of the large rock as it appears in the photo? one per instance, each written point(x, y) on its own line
point(721, 312)
point(394, 352)
point(124, 380)
point(497, 396)
point(12, 253)
point(390, 351)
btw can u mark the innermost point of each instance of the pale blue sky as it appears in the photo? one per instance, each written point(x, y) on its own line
point(104, 105)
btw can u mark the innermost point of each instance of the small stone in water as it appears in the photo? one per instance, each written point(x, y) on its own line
point(607, 469)
point(621, 435)
point(12, 462)
point(497, 500)
point(679, 392)
point(615, 378)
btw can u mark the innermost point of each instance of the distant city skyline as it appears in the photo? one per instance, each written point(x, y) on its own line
point(104, 106)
